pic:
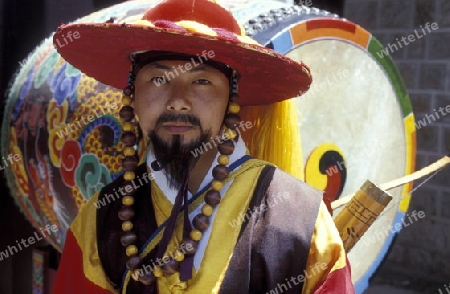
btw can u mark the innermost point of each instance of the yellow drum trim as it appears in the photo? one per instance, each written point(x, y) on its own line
point(410, 135)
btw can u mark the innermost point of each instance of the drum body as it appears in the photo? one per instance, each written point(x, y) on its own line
point(65, 128)
point(356, 121)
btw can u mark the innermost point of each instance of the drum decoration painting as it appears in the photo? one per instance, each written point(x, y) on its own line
point(64, 126)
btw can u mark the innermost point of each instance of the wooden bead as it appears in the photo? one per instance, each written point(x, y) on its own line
point(201, 222)
point(126, 213)
point(229, 134)
point(220, 172)
point(128, 238)
point(129, 175)
point(131, 250)
point(147, 278)
point(188, 247)
point(170, 267)
point(212, 197)
point(158, 272)
point(127, 91)
point(216, 185)
point(135, 274)
point(128, 200)
point(133, 263)
point(232, 120)
point(126, 113)
point(207, 209)
point(129, 139)
point(127, 226)
point(233, 107)
point(129, 151)
point(223, 159)
point(234, 98)
point(127, 126)
point(128, 186)
point(195, 235)
point(129, 163)
point(126, 100)
point(179, 256)
point(226, 147)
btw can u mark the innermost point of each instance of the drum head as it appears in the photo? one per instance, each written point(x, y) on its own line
point(356, 121)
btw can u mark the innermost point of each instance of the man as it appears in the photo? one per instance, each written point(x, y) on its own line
point(200, 215)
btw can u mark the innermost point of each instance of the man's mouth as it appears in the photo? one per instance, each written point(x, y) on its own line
point(177, 127)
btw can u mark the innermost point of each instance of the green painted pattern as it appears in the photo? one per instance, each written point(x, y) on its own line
point(388, 64)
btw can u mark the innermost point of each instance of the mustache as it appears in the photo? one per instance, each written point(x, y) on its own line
point(181, 117)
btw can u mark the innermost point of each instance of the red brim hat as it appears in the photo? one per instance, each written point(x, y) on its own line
point(102, 50)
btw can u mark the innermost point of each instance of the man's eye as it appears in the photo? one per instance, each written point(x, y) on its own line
point(202, 82)
point(158, 80)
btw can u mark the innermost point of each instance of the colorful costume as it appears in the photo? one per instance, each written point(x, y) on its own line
point(249, 250)
point(256, 229)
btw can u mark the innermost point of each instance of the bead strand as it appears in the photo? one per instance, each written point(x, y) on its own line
point(201, 221)
point(129, 164)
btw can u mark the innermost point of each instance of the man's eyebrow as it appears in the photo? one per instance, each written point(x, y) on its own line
point(200, 68)
point(160, 66)
point(157, 65)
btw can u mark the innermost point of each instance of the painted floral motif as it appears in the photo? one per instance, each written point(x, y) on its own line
point(70, 158)
point(45, 69)
point(64, 83)
point(18, 168)
point(91, 175)
point(56, 118)
point(66, 129)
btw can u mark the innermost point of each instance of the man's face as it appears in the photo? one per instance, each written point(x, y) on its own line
point(201, 93)
point(183, 111)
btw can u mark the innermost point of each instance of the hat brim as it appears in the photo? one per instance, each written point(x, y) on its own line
point(102, 51)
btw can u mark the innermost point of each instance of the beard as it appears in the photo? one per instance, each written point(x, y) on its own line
point(174, 157)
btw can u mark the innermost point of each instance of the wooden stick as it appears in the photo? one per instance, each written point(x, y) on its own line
point(363, 209)
point(436, 166)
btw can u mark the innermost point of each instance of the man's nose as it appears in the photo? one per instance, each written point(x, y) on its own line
point(179, 100)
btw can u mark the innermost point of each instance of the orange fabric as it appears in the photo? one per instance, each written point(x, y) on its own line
point(338, 281)
point(70, 277)
point(327, 268)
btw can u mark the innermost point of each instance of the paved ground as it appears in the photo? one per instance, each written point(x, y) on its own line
point(393, 284)
point(386, 289)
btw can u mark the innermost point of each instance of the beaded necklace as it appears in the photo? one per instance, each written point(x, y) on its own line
point(192, 234)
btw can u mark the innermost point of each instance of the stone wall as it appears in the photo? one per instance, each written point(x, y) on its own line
point(421, 250)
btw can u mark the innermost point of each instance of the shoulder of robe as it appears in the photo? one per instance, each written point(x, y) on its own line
point(291, 201)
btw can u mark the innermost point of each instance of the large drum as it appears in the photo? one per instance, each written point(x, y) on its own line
point(356, 121)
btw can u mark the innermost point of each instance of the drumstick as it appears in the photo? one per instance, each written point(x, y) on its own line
point(357, 216)
point(441, 163)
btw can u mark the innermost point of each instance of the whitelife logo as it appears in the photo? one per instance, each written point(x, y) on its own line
point(10, 157)
point(12, 249)
point(168, 75)
point(64, 40)
point(411, 38)
point(429, 117)
point(67, 129)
